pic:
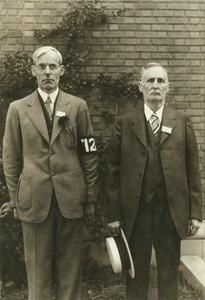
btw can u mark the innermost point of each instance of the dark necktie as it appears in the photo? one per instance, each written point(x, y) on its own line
point(48, 107)
point(154, 122)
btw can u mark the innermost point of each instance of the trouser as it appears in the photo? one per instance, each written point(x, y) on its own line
point(154, 226)
point(57, 241)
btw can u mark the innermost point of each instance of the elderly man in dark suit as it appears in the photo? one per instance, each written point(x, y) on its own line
point(50, 164)
point(153, 184)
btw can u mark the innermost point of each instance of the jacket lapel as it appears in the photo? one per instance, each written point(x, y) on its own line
point(36, 115)
point(138, 122)
point(168, 124)
point(61, 105)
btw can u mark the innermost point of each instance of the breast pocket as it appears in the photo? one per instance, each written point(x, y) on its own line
point(69, 135)
point(179, 143)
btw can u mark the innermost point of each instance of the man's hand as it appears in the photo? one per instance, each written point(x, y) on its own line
point(114, 227)
point(89, 212)
point(115, 224)
point(15, 212)
point(194, 226)
point(5, 209)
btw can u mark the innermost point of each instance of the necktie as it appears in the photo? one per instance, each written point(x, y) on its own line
point(48, 107)
point(154, 122)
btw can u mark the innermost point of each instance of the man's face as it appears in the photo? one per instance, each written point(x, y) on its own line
point(154, 85)
point(48, 71)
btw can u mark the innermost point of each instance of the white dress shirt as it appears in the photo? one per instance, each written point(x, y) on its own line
point(148, 113)
point(52, 96)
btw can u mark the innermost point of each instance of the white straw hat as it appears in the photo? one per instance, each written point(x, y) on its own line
point(119, 254)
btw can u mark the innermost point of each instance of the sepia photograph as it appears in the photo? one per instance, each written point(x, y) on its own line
point(102, 150)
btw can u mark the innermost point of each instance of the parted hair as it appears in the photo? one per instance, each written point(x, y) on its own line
point(45, 49)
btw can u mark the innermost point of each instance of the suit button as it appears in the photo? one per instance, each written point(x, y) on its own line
point(52, 174)
point(139, 175)
point(51, 153)
point(143, 153)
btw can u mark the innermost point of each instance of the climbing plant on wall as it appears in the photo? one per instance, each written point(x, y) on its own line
point(74, 30)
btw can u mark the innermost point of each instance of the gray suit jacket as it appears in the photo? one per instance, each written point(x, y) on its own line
point(34, 164)
point(127, 160)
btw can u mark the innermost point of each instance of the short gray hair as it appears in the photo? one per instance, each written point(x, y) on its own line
point(150, 65)
point(43, 50)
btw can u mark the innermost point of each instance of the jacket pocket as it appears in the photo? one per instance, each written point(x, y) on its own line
point(24, 197)
point(179, 143)
point(70, 135)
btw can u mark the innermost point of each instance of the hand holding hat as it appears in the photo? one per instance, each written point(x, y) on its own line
point(114, 228)
point(115, 224)
point(119, 253)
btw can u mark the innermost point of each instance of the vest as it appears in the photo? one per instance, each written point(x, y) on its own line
point(49, 124)
point(153, 181)
point(48, 121)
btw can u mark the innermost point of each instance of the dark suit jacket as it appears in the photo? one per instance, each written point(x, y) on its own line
point(127, 158)
point(34, 164)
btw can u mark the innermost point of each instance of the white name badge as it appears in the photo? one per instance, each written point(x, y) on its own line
point(60, 113)
point(166, 129)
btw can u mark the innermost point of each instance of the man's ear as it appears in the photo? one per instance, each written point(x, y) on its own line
point(140, 86)
point(33, 70)
point(168, 86)
point(62, 67)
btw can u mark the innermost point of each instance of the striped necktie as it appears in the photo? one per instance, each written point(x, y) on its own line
point(48, 107)
point(154, 122)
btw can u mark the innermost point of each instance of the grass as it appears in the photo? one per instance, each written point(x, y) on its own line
point(100, 283)
point(103, 284)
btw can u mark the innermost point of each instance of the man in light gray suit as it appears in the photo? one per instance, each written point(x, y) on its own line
point(50, 165)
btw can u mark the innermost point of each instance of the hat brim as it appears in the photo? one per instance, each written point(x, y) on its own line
point(114, 255)
point(132, 269)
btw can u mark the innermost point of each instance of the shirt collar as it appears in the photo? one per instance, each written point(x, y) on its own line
point(148, 112)
point(44, 95)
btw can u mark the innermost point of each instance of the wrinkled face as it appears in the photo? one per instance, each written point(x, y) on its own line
point(154, 85)
point(47, 71)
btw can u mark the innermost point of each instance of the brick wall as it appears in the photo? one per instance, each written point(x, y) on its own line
point(171, 32)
